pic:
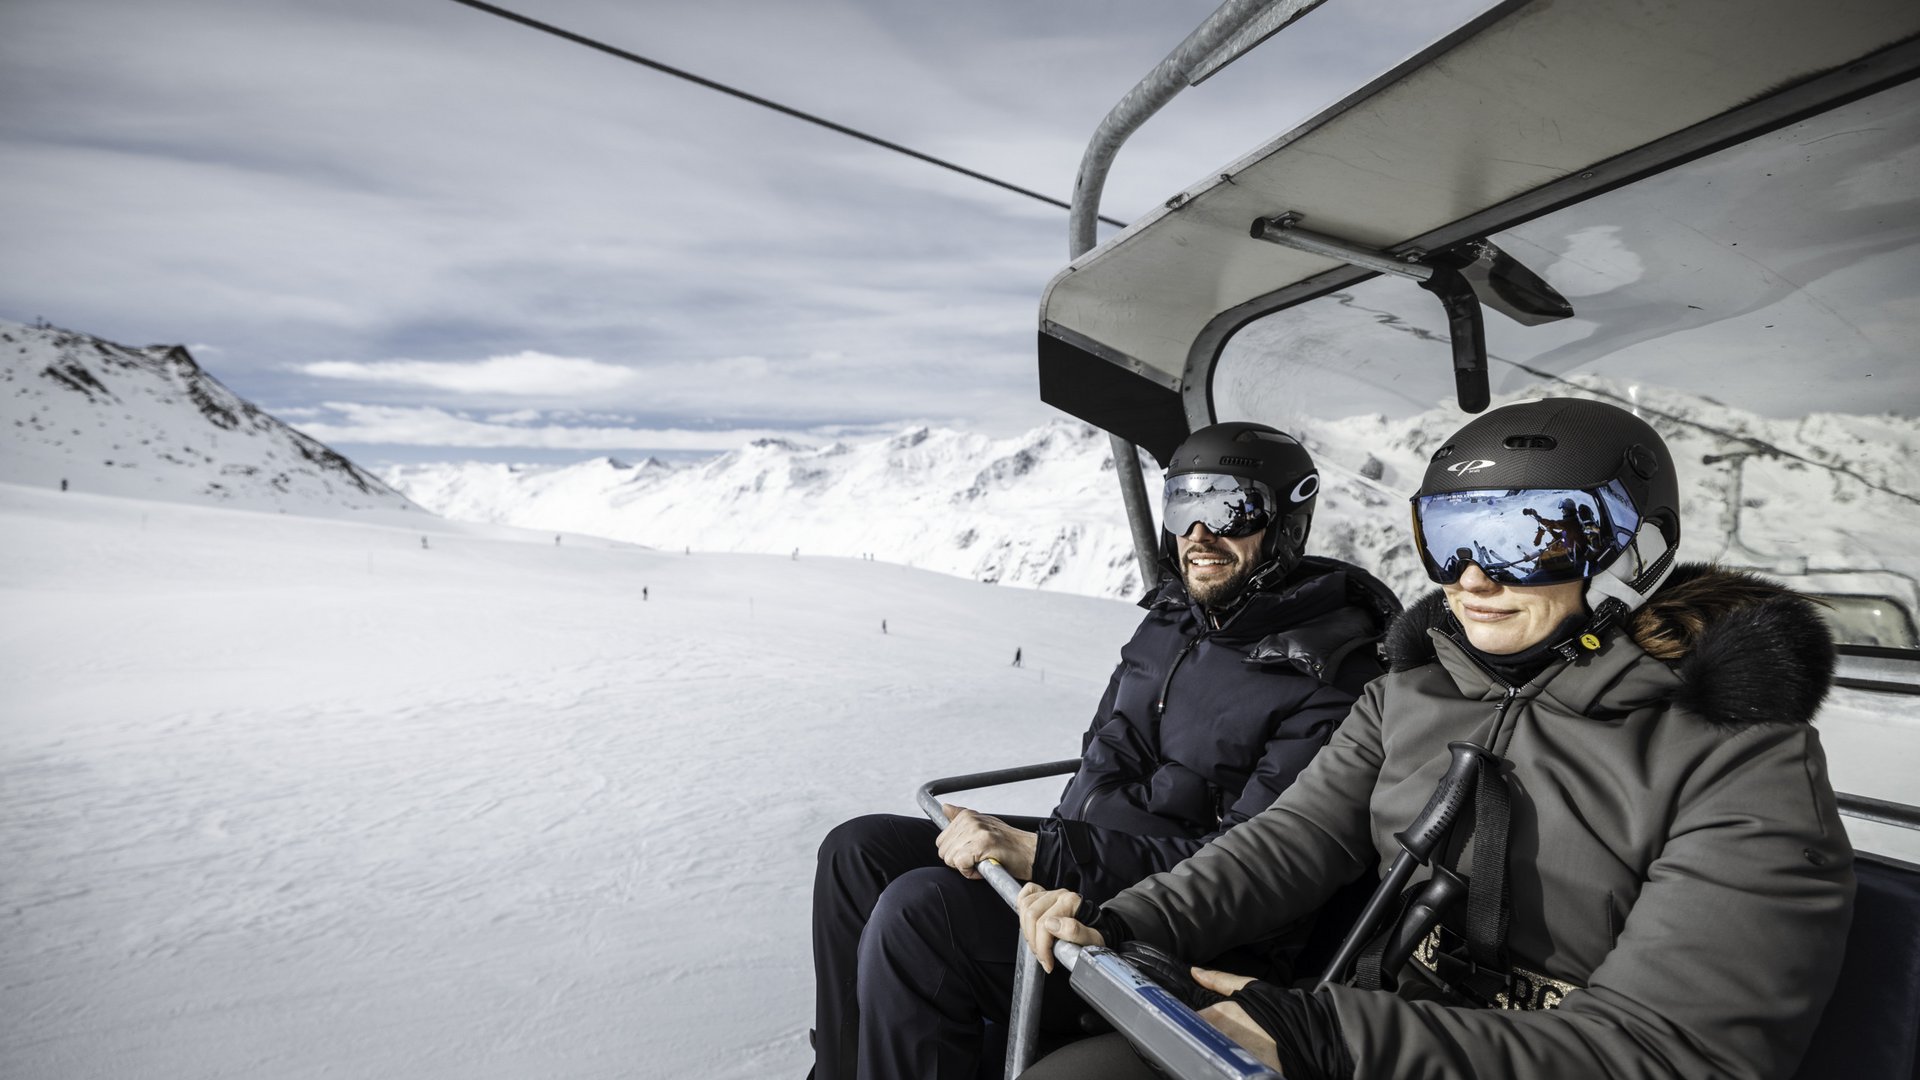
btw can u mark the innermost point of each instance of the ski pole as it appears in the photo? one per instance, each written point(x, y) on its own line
point(1440, 893)
point(1417, 842)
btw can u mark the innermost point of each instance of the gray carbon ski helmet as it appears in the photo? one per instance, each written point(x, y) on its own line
point(1567, 443)
point(1266, 454)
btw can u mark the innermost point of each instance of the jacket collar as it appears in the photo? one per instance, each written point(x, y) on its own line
point(1315, 587)
point(1767, 657)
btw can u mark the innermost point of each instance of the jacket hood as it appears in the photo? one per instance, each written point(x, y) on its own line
point(1744, 649)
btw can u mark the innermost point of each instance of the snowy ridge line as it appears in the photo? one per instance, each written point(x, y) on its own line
point(151, 422)
point(1038, 510)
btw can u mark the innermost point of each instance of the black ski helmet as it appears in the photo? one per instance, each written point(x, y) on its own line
point(1575, 443)
point(1267, 454)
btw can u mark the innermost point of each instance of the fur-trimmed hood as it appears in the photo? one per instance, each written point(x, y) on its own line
point(1745, 649)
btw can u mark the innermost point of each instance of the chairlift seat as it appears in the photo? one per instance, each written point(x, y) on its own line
point(1871, 1029)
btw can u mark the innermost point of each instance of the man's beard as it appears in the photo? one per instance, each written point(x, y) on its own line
point(1221, 591)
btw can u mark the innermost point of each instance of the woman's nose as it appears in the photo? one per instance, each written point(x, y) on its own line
point(1474, 579)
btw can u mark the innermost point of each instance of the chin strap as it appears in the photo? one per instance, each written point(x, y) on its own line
point(1620, 589)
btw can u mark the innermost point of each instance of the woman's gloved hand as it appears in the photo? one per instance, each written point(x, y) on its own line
point(1172, 975)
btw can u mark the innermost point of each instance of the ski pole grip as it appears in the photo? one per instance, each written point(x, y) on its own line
point(1443, 890)
point(1443, 807)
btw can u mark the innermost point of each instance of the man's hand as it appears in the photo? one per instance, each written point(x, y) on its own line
point(970, 837)
point(1046, 915)
point(1231, 1020)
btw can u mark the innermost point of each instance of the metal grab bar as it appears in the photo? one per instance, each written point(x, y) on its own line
point(1172, 1035)
point(1880, 810)
point(1023, 1022)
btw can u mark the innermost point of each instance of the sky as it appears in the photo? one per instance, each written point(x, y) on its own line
point(422, 232)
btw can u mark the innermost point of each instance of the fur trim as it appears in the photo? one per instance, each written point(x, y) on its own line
point(1747, 650)
point(1408, 645)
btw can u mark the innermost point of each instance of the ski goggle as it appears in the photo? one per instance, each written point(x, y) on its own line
point(1528, 536)
point(1230, 506)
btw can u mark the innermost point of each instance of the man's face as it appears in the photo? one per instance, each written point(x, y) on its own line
point(1216, 568)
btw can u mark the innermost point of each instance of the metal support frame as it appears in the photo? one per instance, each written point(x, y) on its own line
point(1023, 1020)
point(1168, 1032)
point(1284, 229)
point(1212, 45)
point(1880, 810)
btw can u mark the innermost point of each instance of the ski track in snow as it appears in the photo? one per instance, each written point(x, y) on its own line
point(291, 797)
point(475, 811)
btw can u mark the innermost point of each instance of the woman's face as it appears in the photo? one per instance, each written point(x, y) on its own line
point(1505, 619)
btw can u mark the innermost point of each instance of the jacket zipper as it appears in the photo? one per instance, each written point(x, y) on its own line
point(1158, 709)
point(1508, 692)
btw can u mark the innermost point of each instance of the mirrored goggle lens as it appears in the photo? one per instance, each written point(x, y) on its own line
point(1532, 536)
point(1226, 505)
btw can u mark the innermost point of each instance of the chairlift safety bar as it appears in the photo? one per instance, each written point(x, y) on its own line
point(1172, 1035)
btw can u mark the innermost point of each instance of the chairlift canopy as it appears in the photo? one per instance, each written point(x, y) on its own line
point(1531, 107)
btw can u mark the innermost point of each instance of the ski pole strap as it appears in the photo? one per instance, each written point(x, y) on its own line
point(1489, 905)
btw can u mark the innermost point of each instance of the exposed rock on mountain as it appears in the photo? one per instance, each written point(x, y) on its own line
point(150, 422)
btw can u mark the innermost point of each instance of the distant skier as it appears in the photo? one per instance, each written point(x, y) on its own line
point(796, 554)
point(883, 626)
point(556, 541)
point(643, 594)
point(63, 485)
point(1016, 657)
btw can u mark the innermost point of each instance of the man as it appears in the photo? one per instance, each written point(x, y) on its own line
point(1249, 656)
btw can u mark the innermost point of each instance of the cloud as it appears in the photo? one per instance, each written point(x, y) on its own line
point(202, 171)
point(412, 425)
point(527, 374)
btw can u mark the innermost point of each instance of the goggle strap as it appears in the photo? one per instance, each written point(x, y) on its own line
point(1633, 593)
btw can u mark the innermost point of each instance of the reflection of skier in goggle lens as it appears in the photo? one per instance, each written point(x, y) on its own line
point(1226, 505)
point(1527, 536)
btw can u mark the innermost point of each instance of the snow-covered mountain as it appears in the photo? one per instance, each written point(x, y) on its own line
point(1833, 500)
point(1829, 501)
point(1036, 510)
point(151, 423)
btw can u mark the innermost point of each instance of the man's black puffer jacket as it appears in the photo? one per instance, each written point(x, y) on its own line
point(1247, 705)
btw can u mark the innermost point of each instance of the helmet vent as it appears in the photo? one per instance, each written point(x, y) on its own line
point(1443, 453)
point(1242, 462)
point(1530, 442)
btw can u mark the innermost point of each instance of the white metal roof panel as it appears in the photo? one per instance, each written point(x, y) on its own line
point(1530, 94)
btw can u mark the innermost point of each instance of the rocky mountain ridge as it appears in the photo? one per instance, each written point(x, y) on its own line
point(152, 423)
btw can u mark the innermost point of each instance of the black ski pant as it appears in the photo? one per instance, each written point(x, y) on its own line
point(913, 963)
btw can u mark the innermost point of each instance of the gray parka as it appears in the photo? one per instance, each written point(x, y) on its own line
point(1675, 849)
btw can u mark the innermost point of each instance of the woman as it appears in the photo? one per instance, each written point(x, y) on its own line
point(1671, 890)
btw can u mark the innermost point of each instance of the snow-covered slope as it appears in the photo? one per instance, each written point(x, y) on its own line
point(1825, 496)
point(150, 422)
point(292, 797)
